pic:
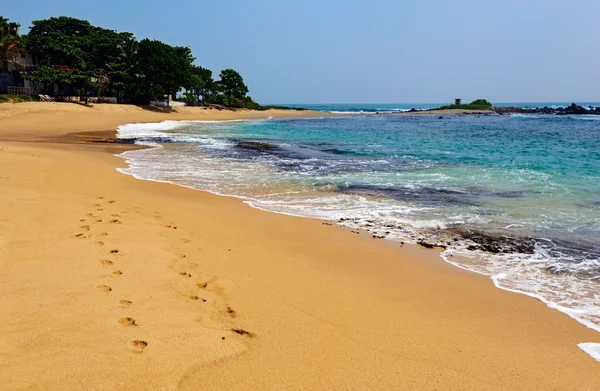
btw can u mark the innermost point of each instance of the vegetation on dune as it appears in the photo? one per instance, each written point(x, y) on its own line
point(479, 104)
point(89, 61)
point(5, 98)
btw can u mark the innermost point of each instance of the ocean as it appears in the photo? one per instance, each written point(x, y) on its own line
point(513, 197)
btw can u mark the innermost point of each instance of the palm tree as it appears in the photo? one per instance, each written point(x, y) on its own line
point(10, 44)
point(121, 67)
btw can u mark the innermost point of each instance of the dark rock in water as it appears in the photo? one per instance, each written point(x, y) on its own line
point(573, 109)
point(413, 110)
point(118, 141)
point(441, 118)
point(423, 243)
point(256, 146)
point(499, 244)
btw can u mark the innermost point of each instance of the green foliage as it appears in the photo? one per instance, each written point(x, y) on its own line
point(190, 98)
point(232, 86)
point(479, 104)
point(16, 98)
point(11, 45)
point(50, 75)
point(160, 69)
point(201, 84)
point(81, 58)
point(61, 41)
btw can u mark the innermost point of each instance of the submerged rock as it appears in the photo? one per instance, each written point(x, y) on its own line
point(256, 146)
point(499, 244)
point(118, 141)
point(425, 244)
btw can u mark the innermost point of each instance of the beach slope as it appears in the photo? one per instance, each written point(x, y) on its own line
point(112, 283)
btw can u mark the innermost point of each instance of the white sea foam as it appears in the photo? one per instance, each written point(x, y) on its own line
point(146, 130)
point(376, 111)
point(593, 349)
point(584, 117)
point(158, 129)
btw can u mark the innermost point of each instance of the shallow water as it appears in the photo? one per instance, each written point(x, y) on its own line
point(534, 179)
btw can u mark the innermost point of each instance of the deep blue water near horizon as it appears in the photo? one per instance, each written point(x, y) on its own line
point(403, 107)
point(534, 178)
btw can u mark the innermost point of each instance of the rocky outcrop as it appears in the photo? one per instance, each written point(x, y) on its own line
point(499, 244)
point(573, 109)
point(256, 146)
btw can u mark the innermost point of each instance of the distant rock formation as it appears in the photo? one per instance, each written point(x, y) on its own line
point(573, 109)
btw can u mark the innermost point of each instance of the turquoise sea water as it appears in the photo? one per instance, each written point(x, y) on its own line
point(533, 179)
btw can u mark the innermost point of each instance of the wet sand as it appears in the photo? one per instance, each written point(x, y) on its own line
point(113, 283)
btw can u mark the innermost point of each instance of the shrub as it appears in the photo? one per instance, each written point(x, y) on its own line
point(16, 98)
point(190, 99)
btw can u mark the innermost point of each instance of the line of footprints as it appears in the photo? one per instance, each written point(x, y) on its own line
point(138, 345)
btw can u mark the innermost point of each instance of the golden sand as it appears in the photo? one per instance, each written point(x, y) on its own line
point(112, 283)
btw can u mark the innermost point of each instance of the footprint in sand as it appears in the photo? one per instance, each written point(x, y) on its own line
point(185, 240)
point(98, 221)
point(115, 215)
point(125, 303)
point(104, 234)
point(104, 288)
point(231, 312)
point(202, 285)
point(185, 274)
point(112, 201)
point(89, 214)
point(99, 243)
point(194, 297)
point(80, 236)
point(106, 262)
point(128, 322)
point(116, 221)
point(99, 210)
point(100, 198)
point(117, 272)
point(97, 205)
point(85, 227)
point(243, 332)
point(139, 345)
point(114, 251)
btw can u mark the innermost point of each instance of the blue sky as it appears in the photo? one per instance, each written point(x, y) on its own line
point(377, 51)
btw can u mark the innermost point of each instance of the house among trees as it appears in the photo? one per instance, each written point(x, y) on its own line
point(15, 62)
point(66, 58)
point(12, 76)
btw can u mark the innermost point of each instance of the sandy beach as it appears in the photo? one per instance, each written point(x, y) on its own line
point(112, 283)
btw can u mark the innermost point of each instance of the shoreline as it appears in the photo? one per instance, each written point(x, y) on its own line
point(592, 349)
point(321, 316)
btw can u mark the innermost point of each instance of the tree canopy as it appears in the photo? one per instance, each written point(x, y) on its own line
point(10, 43)
point(87, 59)
point(232, 86)
point(201, 84)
